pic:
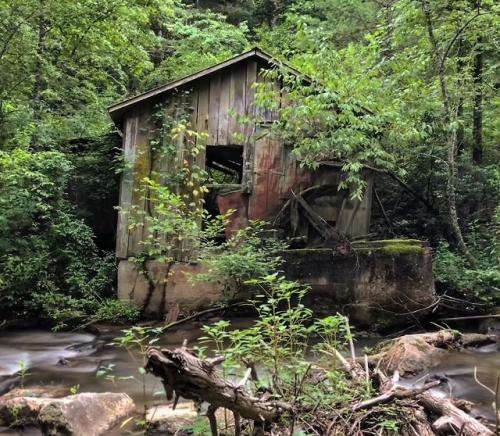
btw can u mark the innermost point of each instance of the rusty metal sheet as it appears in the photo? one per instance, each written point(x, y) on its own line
point(238, 201)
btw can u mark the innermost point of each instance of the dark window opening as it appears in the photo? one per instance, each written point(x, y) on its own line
point(224, 164)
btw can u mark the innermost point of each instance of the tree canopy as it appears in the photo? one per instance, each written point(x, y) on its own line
point(409, 87)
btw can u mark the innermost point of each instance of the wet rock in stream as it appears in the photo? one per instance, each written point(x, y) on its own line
point(85, 414)
point(163, 420)
point(414, 354)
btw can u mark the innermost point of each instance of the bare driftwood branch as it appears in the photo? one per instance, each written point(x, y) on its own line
point(449, 419)
point(456, 420)
point(203, 312)
point(195, 379)
point(466, 318)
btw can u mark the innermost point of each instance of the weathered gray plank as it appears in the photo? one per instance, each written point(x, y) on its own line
point(361, 220)
point(126, 185)
point(236, 129)
point(203, 106)
point(213, 109)
point(276, 87)
point(224, 107)
point(142, 169)
point(346, 209)
point(251, 79)
point(202, 119)
point(249, 128)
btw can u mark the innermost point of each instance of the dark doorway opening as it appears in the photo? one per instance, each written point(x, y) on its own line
point(224, 165)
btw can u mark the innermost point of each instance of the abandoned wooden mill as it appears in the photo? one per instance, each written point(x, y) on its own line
point(261, 180)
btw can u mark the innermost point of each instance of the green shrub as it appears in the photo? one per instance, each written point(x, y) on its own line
point(50, 267)
point(482, 282)
point(252, 251)
point(117, 310)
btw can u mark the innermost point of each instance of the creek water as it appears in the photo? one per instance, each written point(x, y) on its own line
point(73, 360)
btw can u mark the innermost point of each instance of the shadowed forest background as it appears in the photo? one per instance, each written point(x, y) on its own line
point(426, 70)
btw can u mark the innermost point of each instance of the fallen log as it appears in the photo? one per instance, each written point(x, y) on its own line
point(185, 375)
point(449, 419)
point(452, 420)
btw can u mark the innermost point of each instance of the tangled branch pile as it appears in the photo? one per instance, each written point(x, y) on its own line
point(416, 410)
point(334, 395)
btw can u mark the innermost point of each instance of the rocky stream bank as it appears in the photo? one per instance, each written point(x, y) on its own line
point(65, 390)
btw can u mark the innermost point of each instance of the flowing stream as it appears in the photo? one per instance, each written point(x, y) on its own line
point(73, 360)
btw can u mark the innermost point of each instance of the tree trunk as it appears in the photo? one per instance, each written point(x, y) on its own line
point(460, 106)
point(449, 119)
point(477, 111)
point(451, 195)
point(39, 83)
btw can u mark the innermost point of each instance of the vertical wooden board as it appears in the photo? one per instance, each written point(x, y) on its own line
point(165, 161)
point(258, 198)
point(370, 181)
point(261, 113)
point(203, 105)
point(250, 127)
point(268, 114)
point(294, 176)
point(202, 118)
point(225, 88)
point(275, 111)
point(275, 176)
point(142, 169)
point(251, 79)
point(192, 102)
point(345, 214)
point(361, 220)
point(236, 129)
point(265, 198)
point(126, 185)
point(213, 108)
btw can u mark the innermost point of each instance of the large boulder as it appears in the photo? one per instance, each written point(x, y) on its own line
point(49, 391)
point(167, 421)
point(414, 354)
point(85, 414)
point(21, 411)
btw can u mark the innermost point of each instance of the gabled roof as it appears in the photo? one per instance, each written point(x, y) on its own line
point(117, 110)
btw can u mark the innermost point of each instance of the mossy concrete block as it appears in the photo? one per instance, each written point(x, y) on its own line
point(377, 284)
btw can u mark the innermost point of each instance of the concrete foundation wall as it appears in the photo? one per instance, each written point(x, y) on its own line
point(168, 286)
point(377, 283)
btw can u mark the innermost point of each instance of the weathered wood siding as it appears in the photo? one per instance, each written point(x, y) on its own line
point(270, 170)
point(137, 164)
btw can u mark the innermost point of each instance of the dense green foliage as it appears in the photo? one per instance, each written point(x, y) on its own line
point(408, 86)
point(50, 265)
